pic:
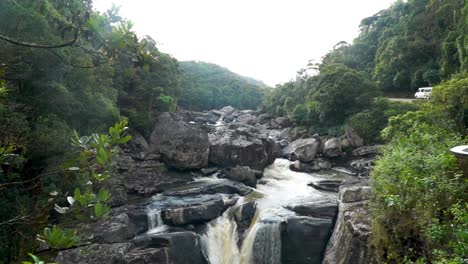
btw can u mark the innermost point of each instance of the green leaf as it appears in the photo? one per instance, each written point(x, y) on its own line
point(125, 139)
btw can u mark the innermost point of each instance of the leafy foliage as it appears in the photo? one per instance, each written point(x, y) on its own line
point(419, 211)
point(59, 238)
point(409, 45)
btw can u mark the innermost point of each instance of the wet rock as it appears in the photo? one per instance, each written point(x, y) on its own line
point(239, 145)
point(199, 188)
point(206, 210)
point(181, 145)
point(304, 150)
point(305, 239)
point(327, 209)
point(326, 185)
point(363, 166)
point(344, 170)
point(332, 148)
point(209, 171)
point(367, 151)
point(323, 164)
point(303, 167)
point(243, 174)
point(180, 247)
point(349, 242)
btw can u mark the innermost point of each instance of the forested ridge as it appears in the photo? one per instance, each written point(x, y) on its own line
point(208, 86)
point(72, 79)
point(419, 211)
point(65, 67)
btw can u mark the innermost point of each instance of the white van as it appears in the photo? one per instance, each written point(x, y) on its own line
point(423, 93)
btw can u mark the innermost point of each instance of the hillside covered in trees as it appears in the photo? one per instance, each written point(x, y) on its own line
point(412, 44)
point(67, 70)
point(207, 86)
point(65, 67)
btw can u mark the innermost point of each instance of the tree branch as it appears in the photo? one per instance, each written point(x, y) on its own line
point(39, 46)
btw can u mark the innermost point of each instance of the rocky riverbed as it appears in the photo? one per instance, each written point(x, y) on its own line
point(229, 186)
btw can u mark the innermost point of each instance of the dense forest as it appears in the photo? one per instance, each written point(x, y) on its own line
point(65, 67)
point(412, 44)
point(67, 70)
point(419, 210)
point(208, 86)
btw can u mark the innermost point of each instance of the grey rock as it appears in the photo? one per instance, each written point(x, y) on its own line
point(148, 256)
point(351, 139)
point(181, 145)
point(305, 239)
point(304, 150)
point(240, 145)
point(367, 151)
point(228, 110)
point(349, 242)
point(280, 122)
point(351, 194)
point(209, 171)
point(243, 174)
point(327, 209)
point(303, 167)
point(326, 185)
point(96, 253)
point(181, 247)
point(332, 147)
point(195, 213)
point(247, 119)
point(199, 188)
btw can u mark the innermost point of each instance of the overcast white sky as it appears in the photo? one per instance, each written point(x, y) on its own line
point(265, 39)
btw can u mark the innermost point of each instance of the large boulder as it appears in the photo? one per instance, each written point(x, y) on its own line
point(182, 247)
point(240, 145)
point(208, 208)
point(332, 148)
point(280, 122)
point(209, 187)
point(367, 151)
point(349, 242)
point(228, 110)
point(305, 239)
point(140, 178)
point(243, 174)
point(304, 150)
point(326, 185)
point(96, 253)
point(351, 139)
point(326, 208)
point(181, 145)
point(247, 119)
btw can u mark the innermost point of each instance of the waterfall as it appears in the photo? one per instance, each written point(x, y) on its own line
point(220, 241)
point(262, 245)
point(155, 222)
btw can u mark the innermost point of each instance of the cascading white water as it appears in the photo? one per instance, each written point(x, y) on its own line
point(155, 222)
point(262, 244)
point(220, 241)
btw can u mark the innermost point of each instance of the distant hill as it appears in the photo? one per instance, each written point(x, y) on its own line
point(207, 86)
